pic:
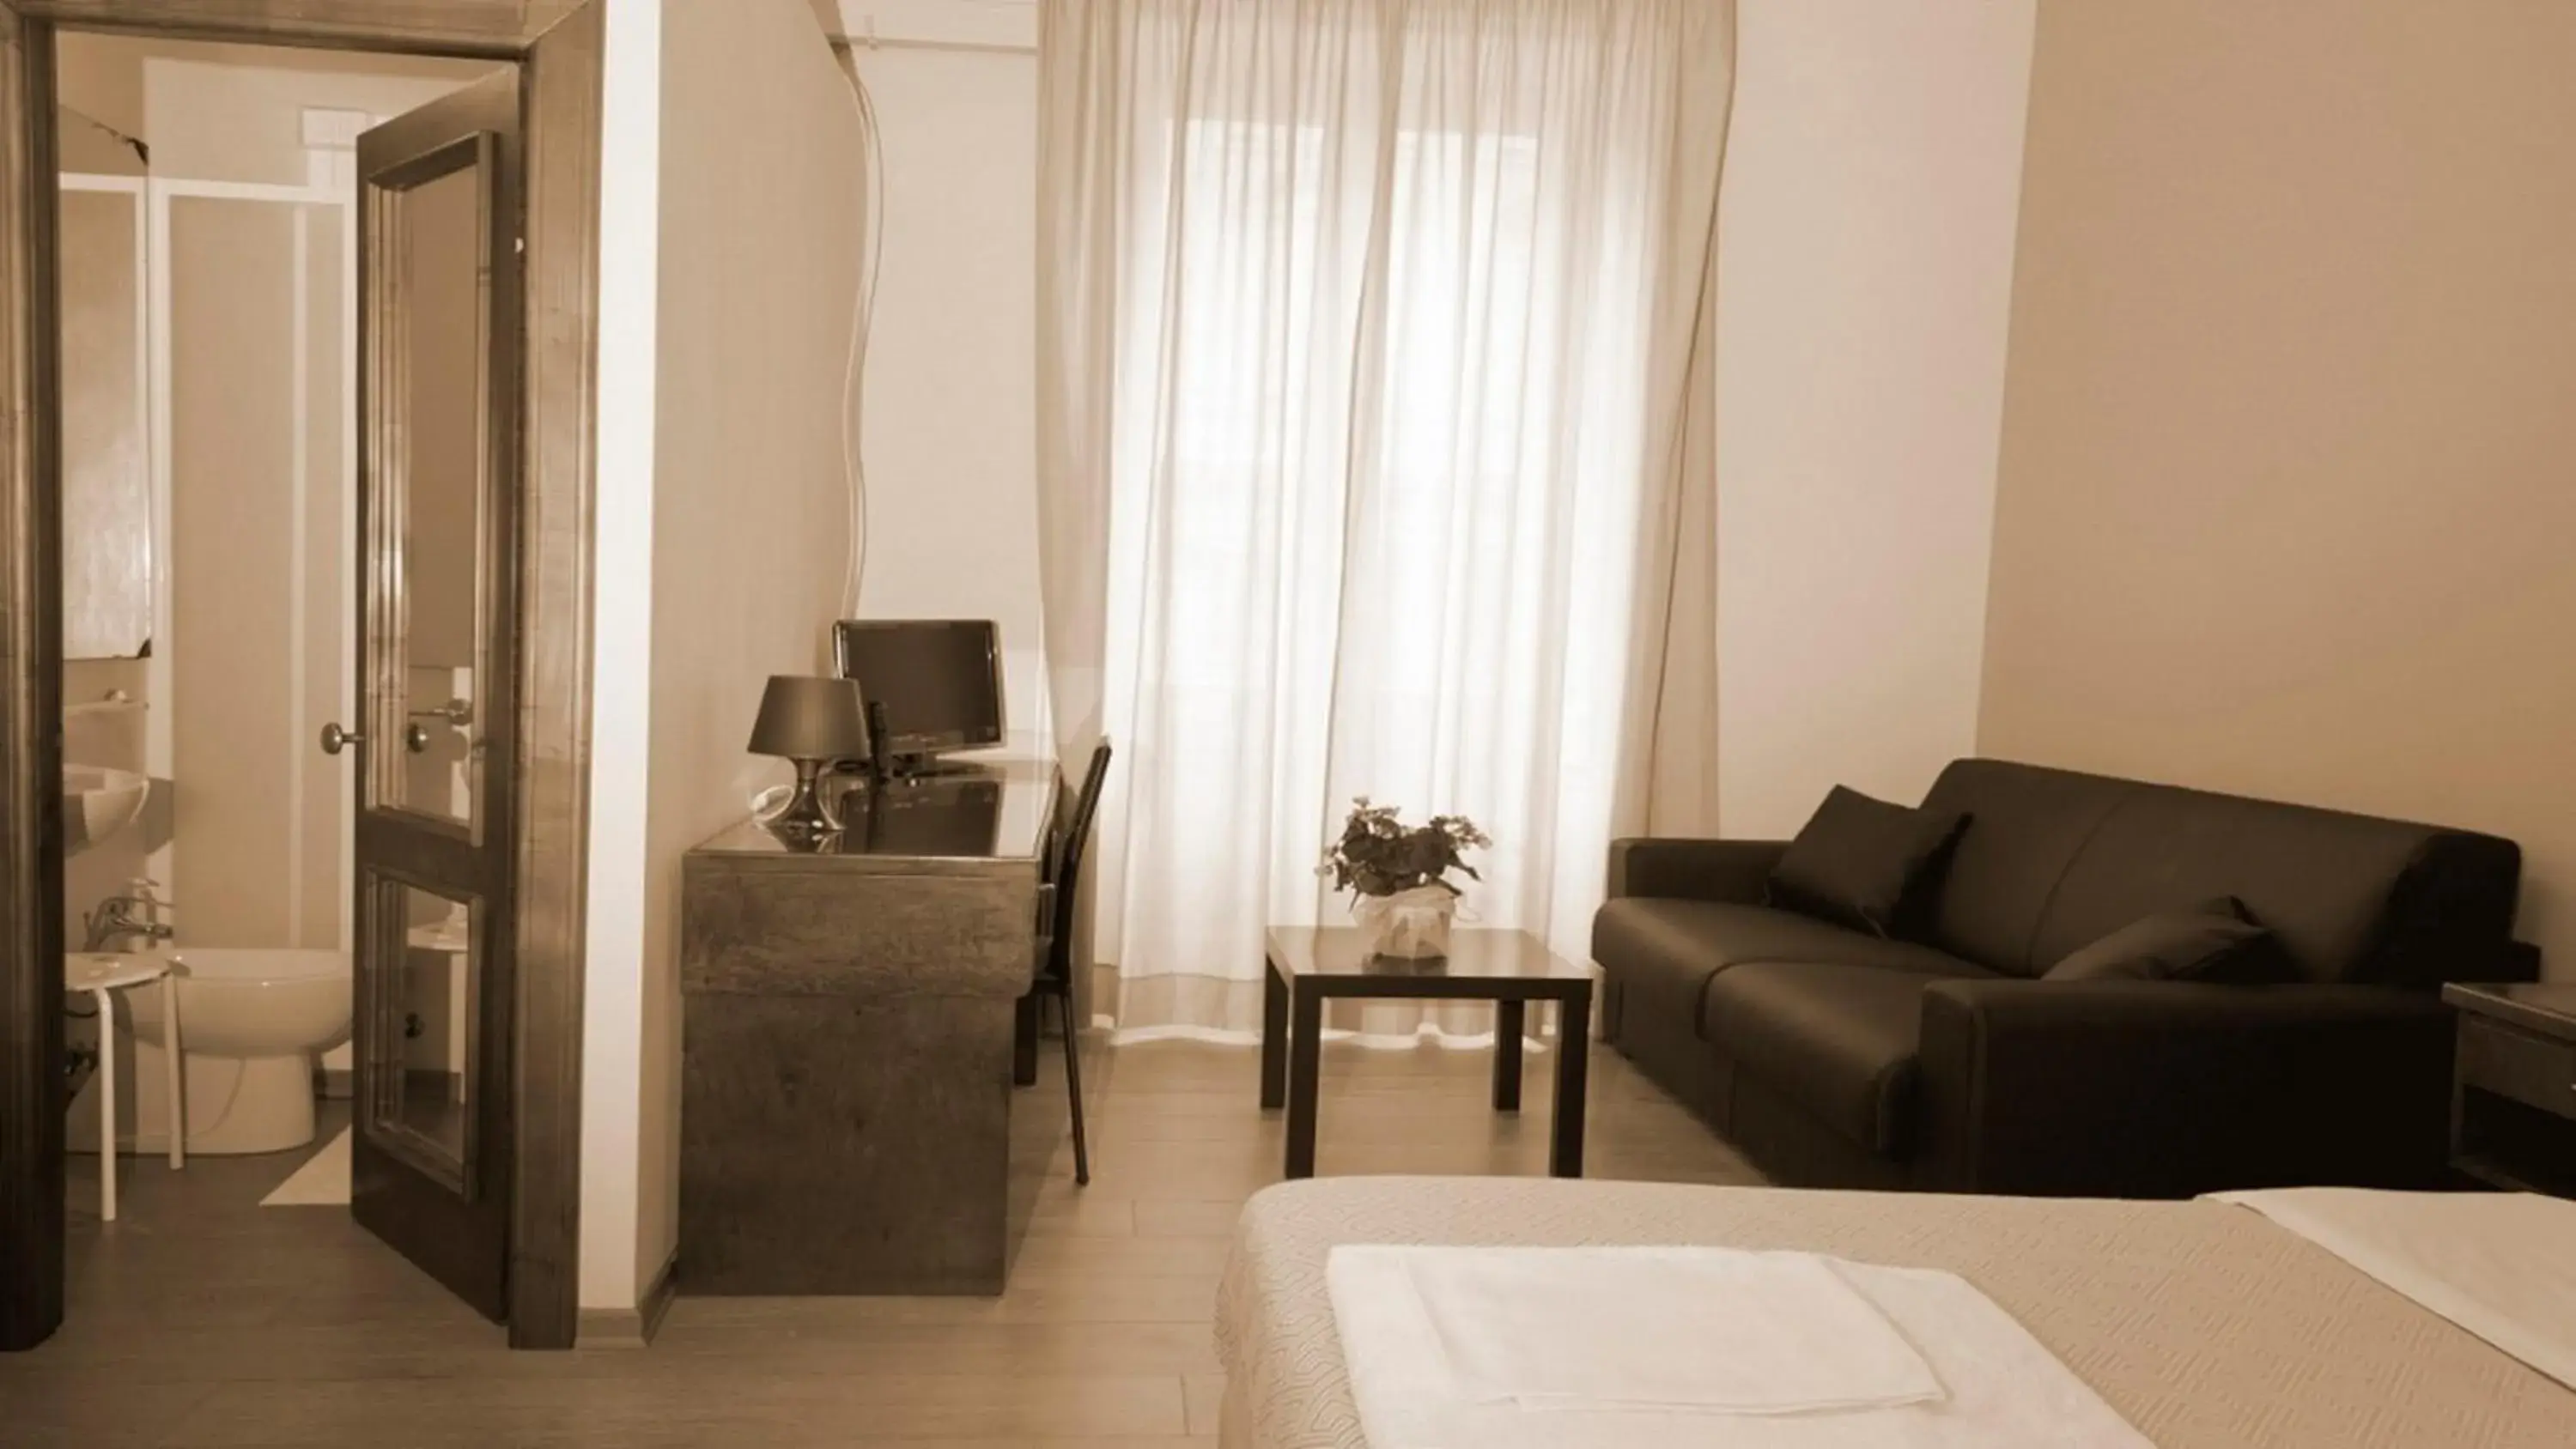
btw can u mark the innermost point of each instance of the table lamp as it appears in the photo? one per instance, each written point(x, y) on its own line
point(811, 721)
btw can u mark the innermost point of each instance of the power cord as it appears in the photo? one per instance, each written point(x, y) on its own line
point(862, 324)
point(854, 397)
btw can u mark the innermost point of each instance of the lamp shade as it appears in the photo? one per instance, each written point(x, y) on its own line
point(805, 717)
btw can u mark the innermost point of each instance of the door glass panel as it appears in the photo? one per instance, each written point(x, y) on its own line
point(421, 1099)
point(436, 444)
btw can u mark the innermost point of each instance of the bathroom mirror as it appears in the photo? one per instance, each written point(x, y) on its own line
point(107, 481)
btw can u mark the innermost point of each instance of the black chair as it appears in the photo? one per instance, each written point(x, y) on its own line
point(1055, 956)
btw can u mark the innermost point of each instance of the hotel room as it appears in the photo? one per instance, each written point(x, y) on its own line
point(1293, 724)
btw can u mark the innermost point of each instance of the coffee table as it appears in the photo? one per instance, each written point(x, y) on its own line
point(1310, 965)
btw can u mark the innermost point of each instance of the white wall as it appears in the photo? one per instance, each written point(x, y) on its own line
point(950, 418)
point(761, 177)
point(2287, 482)
point(730, 208)
point(612, 1089)
point(981, 24)
point(731, 203)
point(1865, 277)
point(221, 112)
point(239, 116)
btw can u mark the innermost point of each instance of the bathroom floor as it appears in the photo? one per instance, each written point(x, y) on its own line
point(202, 1319)
point(210, 1197)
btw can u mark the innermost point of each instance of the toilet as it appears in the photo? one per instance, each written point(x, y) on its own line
point(251, 1022)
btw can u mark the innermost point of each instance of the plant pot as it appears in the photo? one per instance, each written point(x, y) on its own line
point(1409, 925)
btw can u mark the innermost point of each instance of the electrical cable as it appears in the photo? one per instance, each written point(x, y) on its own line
point(862, 324)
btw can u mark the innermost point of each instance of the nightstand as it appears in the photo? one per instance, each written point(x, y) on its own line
point(2513, 1086)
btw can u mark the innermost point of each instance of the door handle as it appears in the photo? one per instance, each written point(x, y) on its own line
point(416, 739)
point(336, 739)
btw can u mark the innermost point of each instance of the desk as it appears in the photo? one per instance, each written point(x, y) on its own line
point(846, 1040)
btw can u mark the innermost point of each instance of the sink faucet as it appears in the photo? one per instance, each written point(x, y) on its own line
point(114, 919)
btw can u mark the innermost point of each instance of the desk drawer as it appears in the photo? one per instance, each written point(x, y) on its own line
point(2532, 1070)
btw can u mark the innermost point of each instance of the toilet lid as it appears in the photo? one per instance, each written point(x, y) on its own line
point(109, 971)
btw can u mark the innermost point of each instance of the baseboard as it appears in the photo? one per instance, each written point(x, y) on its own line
point(630, 1327)
point(1095, 1006)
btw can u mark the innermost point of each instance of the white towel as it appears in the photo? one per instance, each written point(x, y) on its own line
point(2500, 1264)
point(1801, 1338)
point(1602, 1359)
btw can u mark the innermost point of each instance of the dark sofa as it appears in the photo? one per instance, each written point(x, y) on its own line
point(1835, 1058)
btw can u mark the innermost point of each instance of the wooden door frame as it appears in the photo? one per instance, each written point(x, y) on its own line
point(558, 45)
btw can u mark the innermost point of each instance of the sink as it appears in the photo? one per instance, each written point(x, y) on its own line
point(98, 802)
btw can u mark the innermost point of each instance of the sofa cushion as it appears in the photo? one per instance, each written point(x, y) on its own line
point(1839, 1040)
point(2058, 859)
point(1861, 862)
point(1727, 934)
point(1664, 951)
point(2324, 881)
point(2217, 940)
point(2030, 821)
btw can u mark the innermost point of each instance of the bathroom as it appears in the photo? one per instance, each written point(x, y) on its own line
point(208, 245)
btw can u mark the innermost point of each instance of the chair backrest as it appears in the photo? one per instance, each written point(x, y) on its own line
point(1070, 848)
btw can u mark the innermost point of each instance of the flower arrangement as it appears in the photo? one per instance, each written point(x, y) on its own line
point(1400, 874)
point(1380, 855)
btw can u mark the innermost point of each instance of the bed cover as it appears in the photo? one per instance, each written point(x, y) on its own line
point(2204, 1324)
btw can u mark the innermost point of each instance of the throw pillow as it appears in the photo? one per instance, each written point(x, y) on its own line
point(1862, 863)
point(2217, 940)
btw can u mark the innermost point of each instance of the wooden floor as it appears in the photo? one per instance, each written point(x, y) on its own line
point(201, 1318)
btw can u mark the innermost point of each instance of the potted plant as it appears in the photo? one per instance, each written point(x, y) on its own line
point(1400, 876)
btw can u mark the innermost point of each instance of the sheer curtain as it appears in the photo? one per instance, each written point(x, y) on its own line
point(1374, 460)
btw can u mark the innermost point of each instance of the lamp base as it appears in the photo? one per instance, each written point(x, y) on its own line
point(806, 815)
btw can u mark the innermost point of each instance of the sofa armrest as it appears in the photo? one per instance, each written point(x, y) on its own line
point(2168, 1088)
point(1732, 871)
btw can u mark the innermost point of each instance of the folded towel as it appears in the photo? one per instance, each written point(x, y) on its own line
point(1635, 1330)
point(2500, 1264)
point(1589, 1373)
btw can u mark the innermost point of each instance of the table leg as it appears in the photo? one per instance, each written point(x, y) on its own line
point(106, 1106)
point(1274, 1037)
point(1305, 1066)
point(1573, 1064)
point(1509, 1021)
point(174, 1071)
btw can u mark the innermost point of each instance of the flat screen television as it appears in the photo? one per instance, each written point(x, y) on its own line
point(932, 685)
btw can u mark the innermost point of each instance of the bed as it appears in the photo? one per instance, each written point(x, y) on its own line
point(2203, 1323)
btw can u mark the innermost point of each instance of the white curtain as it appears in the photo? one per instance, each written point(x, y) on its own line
point(1375, 392)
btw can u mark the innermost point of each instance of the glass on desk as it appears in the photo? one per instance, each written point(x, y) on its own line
point(999, 811)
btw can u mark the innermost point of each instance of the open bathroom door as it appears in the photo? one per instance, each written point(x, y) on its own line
point(434, 738)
